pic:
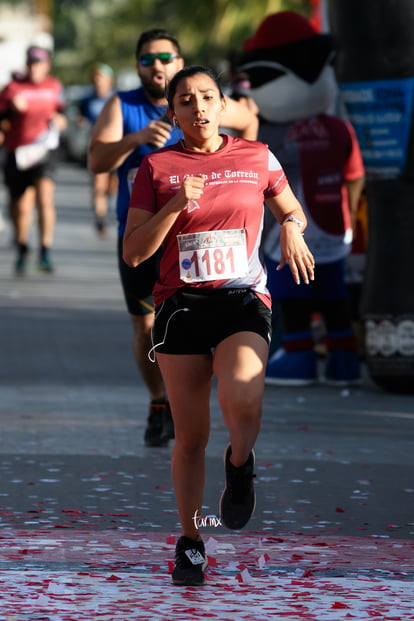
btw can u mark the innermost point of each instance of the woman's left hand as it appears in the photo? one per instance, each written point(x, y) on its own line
point(295, 253)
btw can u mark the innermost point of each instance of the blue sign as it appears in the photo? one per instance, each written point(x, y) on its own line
point(380, 112)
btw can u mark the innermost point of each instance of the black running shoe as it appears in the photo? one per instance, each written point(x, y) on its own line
point(190, 561)
point(21, 261)
point(154, 435)
point(101, 227)
point(45, 264)
point(20, 265)
point(167, 432)
point(238, 499)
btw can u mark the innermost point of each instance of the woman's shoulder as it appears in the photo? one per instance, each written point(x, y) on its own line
point(243, 143)
point(247, 146)
point(156, 157)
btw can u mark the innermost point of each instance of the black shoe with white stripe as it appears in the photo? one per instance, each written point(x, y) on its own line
point(190, 562)
point(238, 498)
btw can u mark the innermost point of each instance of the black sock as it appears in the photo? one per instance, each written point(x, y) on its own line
point(159, 401)
point(44, 251)
point(22, 249)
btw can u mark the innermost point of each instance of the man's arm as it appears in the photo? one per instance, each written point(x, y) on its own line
point(239, 117)
point(60, 121)
point(109, 148)
point(354, 189)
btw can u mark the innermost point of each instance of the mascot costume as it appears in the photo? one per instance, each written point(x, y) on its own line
point(289, 66)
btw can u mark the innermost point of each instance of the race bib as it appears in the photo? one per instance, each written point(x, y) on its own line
point(29, 155)
point(213, 255)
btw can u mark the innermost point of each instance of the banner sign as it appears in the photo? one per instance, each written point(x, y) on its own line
point(381, 113)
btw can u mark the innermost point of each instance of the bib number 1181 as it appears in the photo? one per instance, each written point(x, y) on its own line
point(218, 258)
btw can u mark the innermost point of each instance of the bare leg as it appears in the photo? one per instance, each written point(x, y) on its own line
point(12, 209)
point(100, 200)
point(45, 188)
point(239, 365)
point(100, 191)
point(23, 210)
point(188, 382)
point(112, 184)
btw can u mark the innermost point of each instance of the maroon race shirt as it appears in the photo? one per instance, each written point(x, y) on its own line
point(319, 155)
point(43, 99)
point(215, 241)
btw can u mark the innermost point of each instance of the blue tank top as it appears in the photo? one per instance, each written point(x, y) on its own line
point(137, 112)
point(92, 105)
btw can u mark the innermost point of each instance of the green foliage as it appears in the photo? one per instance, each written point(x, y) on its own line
point(87, 31)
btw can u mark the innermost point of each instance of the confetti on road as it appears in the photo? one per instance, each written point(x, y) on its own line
point(109, 575)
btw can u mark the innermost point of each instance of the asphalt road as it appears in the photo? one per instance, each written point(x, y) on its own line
point(331, 463)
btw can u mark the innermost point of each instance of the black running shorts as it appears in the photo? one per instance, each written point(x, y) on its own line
point(194, 322)
point(138, 282)
point(18, 181)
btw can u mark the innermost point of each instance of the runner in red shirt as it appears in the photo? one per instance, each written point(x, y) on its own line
point(202, 201)
point(238, 173)
point(32, 104)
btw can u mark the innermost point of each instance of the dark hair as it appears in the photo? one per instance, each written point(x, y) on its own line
point(155, 35)
point(188, 72)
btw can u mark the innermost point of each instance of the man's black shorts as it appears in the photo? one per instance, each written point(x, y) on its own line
point(194, 322)
point(138, 282)
point(18, 181)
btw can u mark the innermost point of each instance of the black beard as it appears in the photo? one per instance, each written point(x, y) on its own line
point(156, 92)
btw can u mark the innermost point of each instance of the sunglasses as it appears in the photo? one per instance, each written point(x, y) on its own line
point(149, 59)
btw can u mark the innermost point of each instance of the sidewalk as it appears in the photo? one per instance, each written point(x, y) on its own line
point(87, 513)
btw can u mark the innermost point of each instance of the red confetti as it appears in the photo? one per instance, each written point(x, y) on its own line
point(307, 573)
point(212, 561)
point(113, 578)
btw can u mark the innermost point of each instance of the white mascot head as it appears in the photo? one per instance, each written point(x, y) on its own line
point(289, 66)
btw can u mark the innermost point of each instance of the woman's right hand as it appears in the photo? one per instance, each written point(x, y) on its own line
point(192, 189)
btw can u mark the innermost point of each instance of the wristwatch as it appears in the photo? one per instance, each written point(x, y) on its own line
point(294, 219)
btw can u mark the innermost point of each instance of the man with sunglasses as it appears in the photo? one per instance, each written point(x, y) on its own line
point(132, 124)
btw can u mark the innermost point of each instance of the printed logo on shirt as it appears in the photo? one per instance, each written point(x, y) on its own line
point(221, 177)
